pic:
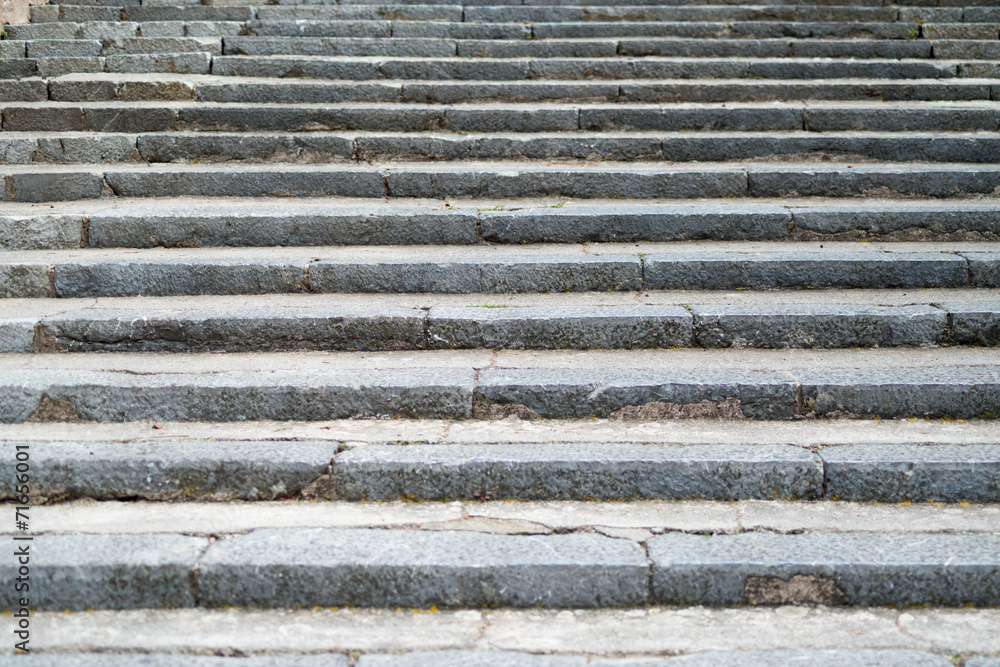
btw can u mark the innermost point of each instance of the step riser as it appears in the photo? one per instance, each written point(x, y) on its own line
point(623, 327)
point(376, 568)
point(300, 396)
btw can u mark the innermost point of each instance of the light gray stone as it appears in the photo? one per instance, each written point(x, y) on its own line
point(47, 48)
point(16, 336)
point(180, 63)
point(238, 329)
point(544, 328)
point(555, 273)
point(54, 30)
point(385, 568)
point(574, 472)
point(894, 473)
point(806, 325)
point(558, 393)
point(897, 393)
point(107, 571)
point(319, 28)
point(803, 269)
point(108, 29)
point(170, 660)
point(90, 278)
point(169, 469)
point(53, 67)
point(843, 568)
point(234, 395)
point(456, 658)
point(828, 658)
point(86, 149)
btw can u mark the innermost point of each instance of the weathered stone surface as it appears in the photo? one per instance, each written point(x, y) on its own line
point(238, 330)
point(828, 569)
point(556, 273)
point(169, 469)
point(42, 186)
point(802, 269)
point(894, 473)
point(602, 393)
point(940, 218)
point(583, 224)
point(234, 395)
point(379, 568)
point(146, 227)
point(172, 660)
point(25, 280)
point(574, 472)
point(181, 63)
point(16, 336)
point(897, 393)
point(840, 657)
point(974, 323)
point(544, 328)
point(250, 181)
point(984, 268)
point(107, 571)
point(166, 277)
point(807, 325)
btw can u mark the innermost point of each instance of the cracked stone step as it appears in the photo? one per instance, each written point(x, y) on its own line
point(138, 117)
point(853, 569)
point(894, 393)
point(502, 180)
point(571, 471)
point(217, 470)
point(227, 223)
point(235, 396)
point(110, 148)
point(472, 270)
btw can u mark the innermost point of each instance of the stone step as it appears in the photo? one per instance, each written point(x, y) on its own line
point(99, 87)
point(464, 269)
point(339, 391)
point(56, 116)
point(313, 147)
point(31, 183)
point(557, 326)
point(192, 470)
point(420, 569)
point(225, 223)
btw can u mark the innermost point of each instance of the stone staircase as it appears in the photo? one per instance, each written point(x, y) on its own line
point(502, 333)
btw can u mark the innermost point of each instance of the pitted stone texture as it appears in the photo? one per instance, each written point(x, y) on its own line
point(583, 224)
point(940, 218)
point(25, 281)
point(545, 328)
point(16, 335)
point(556, 273)
point(107, 571)
point(974, 324)
point(894, 473)
point(898, 393)
point(808, 325)
point(895, 181)
point(828, 658)
point(235, 395)
point(40, 232)
point(844, 568)
point(379, 568)
point(167, 660)
point(148, 227)
point(42, 186)
point(574, 472)
point(248, 181)
point(91, 278)
point(238, 330)
point(169, 469)
point(984, 268)
point(803, 269)
point(561, 393)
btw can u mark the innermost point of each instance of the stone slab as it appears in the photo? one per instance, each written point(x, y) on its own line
point(974, 324)
point(16, 335)
point(377, 568)
point(39, 232)
point(574, 472)
point(845, 568)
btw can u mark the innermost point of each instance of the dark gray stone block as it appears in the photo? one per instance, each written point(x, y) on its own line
point(974, 323)
point(929, 181)
point(238, 329)
point(153, 277)
point(805, 325)
point(901, 119)
point(884, 218)
point(558, 393)
point(575, 472)
point(839, 568)
point(680, 118)
point(241, 117)
point(248, 181)
point(555, 273)
point(291, 91)
point(340, 46)
point(387, 568)
point(803, 269)
point(894, 473)
point(236, 395)
point(79, 572)
point(244, 146)
point(546, 328)
point(620, 224)
point(292, 67)
point(170, 469)
point(984, 268)
point(43, 186)
point(898, 393)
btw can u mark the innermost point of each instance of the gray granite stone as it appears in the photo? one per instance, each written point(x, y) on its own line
point(974, 323)
point(815, 568)
point(574, 472)
point(16, 335)
point(388, 568)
